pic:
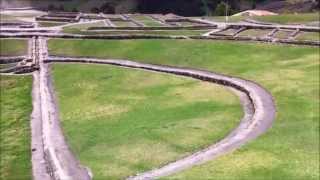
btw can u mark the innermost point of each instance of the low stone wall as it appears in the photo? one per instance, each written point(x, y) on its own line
point(19, 31)
point(19, 69)
point(56, 19)
point(120, 37)
point(11, 59)
point(63, 15)
point(259, 39)
point(92, 17)
point(186, 20)
point(286, 27)
point(16, 24)
point(64, 12)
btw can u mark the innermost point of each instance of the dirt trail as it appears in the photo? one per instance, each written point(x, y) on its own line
point(257, 103)
point(54, 150)
point(39, 166)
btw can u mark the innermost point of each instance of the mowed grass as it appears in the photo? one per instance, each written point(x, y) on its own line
point(120, 122)
point(49, 24)
point(290, 18)
point(15, 159)
point(146, 20)
point(8, 18)
point(281, 18)
point(78, 28)
point(123, 23)
point(290, 150)
point(311, 36)
point(254, 33)
point(13, 47)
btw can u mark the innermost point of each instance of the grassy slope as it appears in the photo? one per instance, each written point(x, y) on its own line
point(146, 20)
point(290, 150)
point(13, 47)
point(49, 24)
point(282, 18)
point(309, 36)
point(290, 18)
point(77, 28)
point(255, 33)
point(15, 160)
point(121, 122)
point(123, 23)
point(7, 18)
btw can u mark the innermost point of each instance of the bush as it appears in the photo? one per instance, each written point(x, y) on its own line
point(75, 9)
point(51, 7)
point(220, 9)
point(95, 10)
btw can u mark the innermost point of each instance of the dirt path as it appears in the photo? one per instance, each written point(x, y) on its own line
point(53, 153)
point(39, 166)
point(257, 103)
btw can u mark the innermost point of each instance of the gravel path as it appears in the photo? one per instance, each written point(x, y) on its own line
point(258, 106)
point(54, 153)
point(39, 166)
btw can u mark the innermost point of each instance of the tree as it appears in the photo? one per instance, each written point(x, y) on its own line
point(75, 9)
point(108, 8)
point(220, 9)
point(61, 8)
point(95, 10)
point(51, 7)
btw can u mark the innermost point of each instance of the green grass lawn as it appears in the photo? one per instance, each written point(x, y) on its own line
point(15, 103)
point(255, 32)
point(281, 18)
point(290, 18)
point(290, 150)
point(146, 20)
point(9, 18)
point(311, 36)
point(13, 47)
point(4, 66)
point(120, 122)
point(49, 24)
point(282, 34)
point(77, 28)
point(123, 23)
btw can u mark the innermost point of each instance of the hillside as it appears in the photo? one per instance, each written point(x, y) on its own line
point(181, 7)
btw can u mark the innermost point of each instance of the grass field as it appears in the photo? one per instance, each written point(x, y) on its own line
point(281, 19)
point(282, 34)
point(148, 21)
point(15, 160)
point(49, 24)
point(7, 18)
point(13, 47)
point(290, 18)
point(254, 33)
point(123, 23)
point(77, 28)
point(311, 36)
point(290, 150)
point(4, 66)
point(120, 122)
